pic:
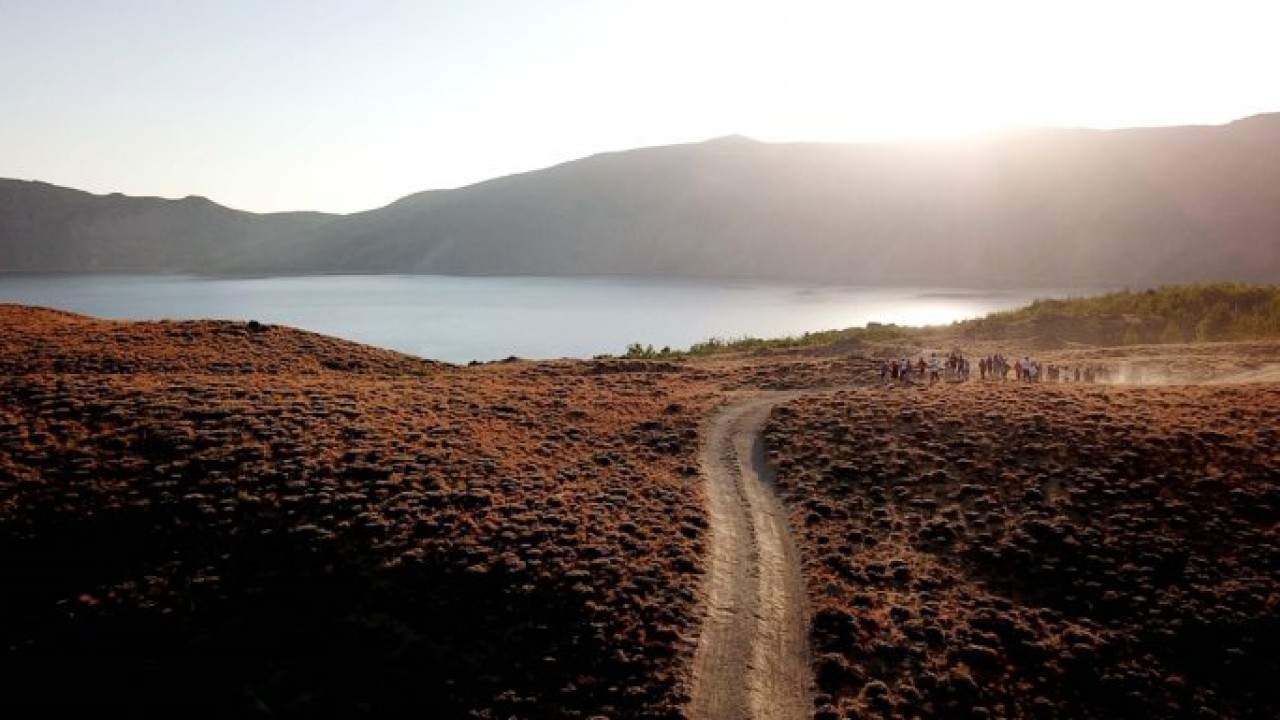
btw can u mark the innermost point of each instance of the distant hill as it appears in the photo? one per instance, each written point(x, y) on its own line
point(44, 227)
point(1035, 207)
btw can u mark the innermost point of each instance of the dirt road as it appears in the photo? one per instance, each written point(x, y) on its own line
point(752, 659)
point(1265, 373)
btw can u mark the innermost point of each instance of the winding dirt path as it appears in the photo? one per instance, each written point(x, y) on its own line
point(752, 659)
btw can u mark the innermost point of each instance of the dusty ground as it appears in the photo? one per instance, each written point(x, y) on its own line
point(752, 659)
point(234, 520)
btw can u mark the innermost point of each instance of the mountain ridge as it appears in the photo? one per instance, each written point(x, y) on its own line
point(1052, 206)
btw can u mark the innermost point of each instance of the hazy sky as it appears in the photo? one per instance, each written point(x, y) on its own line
point(347, 105)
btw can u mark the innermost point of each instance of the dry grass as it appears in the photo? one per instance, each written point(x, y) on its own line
point(1033, 551)
point(205, 519)
point(200, 518)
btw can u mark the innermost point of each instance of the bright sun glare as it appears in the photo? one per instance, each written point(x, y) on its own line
point(347, 106)
point(856, 70)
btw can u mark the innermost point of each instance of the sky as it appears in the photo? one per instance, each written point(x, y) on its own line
point(341, 106)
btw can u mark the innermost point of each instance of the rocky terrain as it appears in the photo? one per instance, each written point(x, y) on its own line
point(1008, 550)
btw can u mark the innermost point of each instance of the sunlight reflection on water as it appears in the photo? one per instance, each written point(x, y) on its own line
point(461, 318)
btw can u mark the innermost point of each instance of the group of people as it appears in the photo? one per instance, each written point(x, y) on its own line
point(954, 367)
point(1079, 373)
point(1028, 370)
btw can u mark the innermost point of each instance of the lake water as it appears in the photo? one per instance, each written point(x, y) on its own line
point(458, 319)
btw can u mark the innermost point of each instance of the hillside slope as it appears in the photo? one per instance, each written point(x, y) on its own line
point(1037, 207)
point(44, 227)
point(225, 520)
point(214, 519)
point(1052, 207)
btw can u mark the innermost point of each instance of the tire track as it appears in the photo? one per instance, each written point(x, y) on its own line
point(752, 658)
